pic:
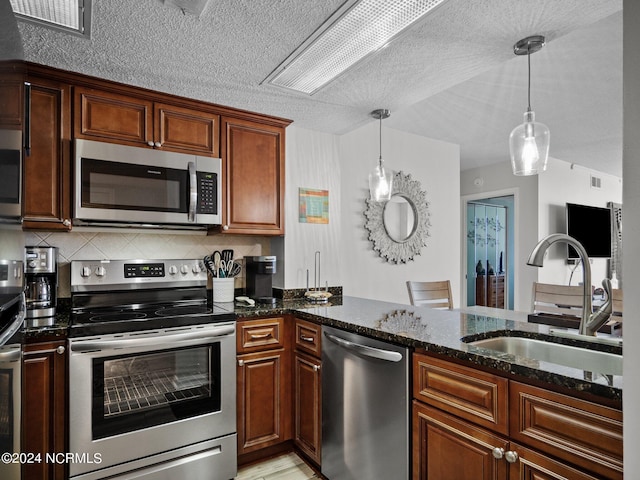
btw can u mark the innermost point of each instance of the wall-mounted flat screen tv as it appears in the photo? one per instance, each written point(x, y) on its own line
point(591, 226)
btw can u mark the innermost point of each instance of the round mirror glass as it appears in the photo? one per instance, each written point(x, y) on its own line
point(399, 218)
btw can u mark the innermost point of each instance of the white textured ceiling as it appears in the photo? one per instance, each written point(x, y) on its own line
point(452, 77)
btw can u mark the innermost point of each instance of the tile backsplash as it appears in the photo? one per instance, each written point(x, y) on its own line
point(87, 245)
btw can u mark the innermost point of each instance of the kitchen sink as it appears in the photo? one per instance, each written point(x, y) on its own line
point(570, 356)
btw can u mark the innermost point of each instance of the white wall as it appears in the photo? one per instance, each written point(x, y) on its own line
point(498, 179)
point(312, 162)
point(436, 165)
point(562, 183)
point(631, 234)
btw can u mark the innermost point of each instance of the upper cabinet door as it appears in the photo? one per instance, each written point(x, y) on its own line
point(47, 170)
point(186, 130)
point(116, 118)
point(11, 99)
point(112, 117)
point(253, 177)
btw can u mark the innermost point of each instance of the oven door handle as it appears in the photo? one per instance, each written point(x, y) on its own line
point(164, 341)
point(10, 355)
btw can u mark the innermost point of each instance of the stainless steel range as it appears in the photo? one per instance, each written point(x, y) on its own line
point(151, 373)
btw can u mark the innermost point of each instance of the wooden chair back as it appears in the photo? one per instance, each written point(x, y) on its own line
point(616, 294)
point(557, 299)
point(431, 294)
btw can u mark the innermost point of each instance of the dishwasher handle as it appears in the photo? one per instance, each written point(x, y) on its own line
point(387, 355)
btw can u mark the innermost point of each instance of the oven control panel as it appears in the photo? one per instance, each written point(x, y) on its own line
point(143, 270)
point(89, 275)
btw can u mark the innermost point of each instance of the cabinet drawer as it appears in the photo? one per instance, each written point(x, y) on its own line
point(263, 334)
point(308, 337)
point(583, 433)
point(468, 393)
point(112, 117)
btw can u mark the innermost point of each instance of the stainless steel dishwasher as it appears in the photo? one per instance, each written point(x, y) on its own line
point(365, 408)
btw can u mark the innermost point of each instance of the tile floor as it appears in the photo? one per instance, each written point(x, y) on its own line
point(283, 467)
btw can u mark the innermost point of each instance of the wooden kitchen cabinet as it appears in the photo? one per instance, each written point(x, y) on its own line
point(307, 404)
point(44, 397)
point(144, 122)
point(11, 95)
point(47, 192)
point(583, 433)
point(464, 418)
point(253, 177)
point(263, 384)
point(447, 447)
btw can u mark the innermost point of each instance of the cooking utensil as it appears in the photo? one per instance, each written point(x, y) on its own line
point(227, 255)
point(216, 256)
point(234, 270)
point(209, 264)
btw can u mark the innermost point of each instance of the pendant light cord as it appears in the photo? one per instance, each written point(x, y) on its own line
point(380, 137)
point(529, 76)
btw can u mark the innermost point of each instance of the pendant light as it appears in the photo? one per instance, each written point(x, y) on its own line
point(380, 180)
point(529, 142)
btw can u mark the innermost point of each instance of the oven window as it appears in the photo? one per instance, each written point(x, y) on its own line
point(133, 187)
point(139, 391)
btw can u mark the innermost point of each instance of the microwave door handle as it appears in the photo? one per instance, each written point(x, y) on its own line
point(193, 191)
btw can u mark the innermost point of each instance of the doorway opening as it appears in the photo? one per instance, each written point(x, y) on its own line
point(490, 246)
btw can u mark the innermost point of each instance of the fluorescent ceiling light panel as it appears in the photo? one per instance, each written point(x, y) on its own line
point(69, 15)
point(353, 32)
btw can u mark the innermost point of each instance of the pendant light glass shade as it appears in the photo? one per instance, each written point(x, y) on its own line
point(380, 184)
point(529, 146)
point(380, 179)
point(529, 142)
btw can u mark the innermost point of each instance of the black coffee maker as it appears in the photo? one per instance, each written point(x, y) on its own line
point(41, 279)
point(259, 271)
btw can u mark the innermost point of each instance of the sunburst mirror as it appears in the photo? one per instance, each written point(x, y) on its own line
point(399, 228)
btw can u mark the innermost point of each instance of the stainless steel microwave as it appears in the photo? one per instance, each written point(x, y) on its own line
point(10, 176)
point(133, 186)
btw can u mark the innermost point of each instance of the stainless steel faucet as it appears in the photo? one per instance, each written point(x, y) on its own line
point(590, 322)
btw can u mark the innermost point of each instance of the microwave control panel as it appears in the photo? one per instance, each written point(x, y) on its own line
point(207, 194)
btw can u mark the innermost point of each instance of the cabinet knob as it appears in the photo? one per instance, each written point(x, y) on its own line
point(241, 363)
point(225, 227)
point(150, 143)
point(60, 350)
point(511, 456)
point(498, 453)
point(316, 368)
point(157, 144)
point(66, 222)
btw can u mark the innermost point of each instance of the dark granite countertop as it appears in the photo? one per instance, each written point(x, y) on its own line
point(441, 331)
point(438, 331)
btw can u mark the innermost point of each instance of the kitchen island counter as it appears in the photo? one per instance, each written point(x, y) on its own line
point(442, 331)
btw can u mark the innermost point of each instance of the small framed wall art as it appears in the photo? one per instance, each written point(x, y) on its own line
point(313, 206)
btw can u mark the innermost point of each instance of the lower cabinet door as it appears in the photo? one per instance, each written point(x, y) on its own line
point(44, 419)
point(447, 447)
point(264, 400)
point(530, 465)
point(307, 406)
